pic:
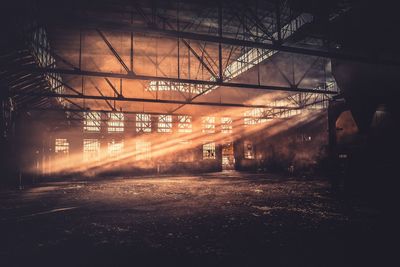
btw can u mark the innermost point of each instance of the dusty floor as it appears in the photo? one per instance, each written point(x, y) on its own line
point(220, 219)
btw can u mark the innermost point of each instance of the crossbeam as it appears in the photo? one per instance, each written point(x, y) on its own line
point(147, 100)
point(131, 76)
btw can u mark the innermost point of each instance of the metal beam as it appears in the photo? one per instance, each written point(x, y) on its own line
point(66, 85)
point(107, 101)
point(131, 76)
point(115, 53)
point(113, 87)
point(199, 59)
point(99, 110)
point(147, 100)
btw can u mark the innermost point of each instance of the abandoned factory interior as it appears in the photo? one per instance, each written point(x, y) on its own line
point(198, 133)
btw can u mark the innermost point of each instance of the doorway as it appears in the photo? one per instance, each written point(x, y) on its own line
point(228, 158)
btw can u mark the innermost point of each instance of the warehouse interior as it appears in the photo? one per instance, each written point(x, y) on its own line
point(131, 129)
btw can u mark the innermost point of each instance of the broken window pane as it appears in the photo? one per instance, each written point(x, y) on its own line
point(143, 123)
point(208, 124)
point(115, 122)
point(254, 116)
point(164, 124)
point(209, 150)
point(61, 147)
point(185, 124)
point(226, 125)
point(91, 122)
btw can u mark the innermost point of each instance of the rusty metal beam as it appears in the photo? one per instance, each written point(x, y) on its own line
point(181, 80)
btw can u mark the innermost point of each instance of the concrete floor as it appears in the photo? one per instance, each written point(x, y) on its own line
point(218, 219)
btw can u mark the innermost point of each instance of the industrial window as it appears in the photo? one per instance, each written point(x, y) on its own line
point(143, 150)
point(226, 125)
point(254, 116)
point(143, 123)
point(185, 124)
point(40, 48)
point(177, 86)
point(61, 147)
point(115, 147)
point(248, 150)
point(164, 124)
point(91, 149)
point(208, 124)
point(115, 122)
point(209, 150)
point(91, 121)
point(246, 61)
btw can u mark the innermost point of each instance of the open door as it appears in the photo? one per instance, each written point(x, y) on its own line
point(228, 159)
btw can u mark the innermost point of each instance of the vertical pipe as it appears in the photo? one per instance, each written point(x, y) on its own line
point(220, 45)
point(190, 86)
point(177, 28)
point(293, 73)
point(131, 65)
point(80, 49)
point(83, 90)
point(258, 67)
point(120, 87)
point(278, 21)
point(179, 69)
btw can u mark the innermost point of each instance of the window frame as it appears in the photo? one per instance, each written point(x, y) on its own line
point(208, 124)
point(185, 124)
point(164, 124)
point(143, 123)
point(207, 147)
point(116, 122)
point(94, 152)
point(226, 125)
point(91, 122)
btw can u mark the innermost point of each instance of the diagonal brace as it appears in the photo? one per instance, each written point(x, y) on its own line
point(115, 53)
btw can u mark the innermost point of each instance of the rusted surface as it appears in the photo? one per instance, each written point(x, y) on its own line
point(226, 218)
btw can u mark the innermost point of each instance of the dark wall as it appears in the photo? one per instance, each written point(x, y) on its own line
point(298, 149)
point(8, 168)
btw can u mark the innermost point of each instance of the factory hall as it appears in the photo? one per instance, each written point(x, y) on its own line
point(199, 133)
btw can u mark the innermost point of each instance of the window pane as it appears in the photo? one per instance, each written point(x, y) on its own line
point(164, 124)
point(115, 122)
point(226, 125)
point(61, 147)
point(185, 124)
point(254, 116)
point(91, 149)
point(208, 124)
point(143, 123)
point(209, 151)
point(91, 122)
